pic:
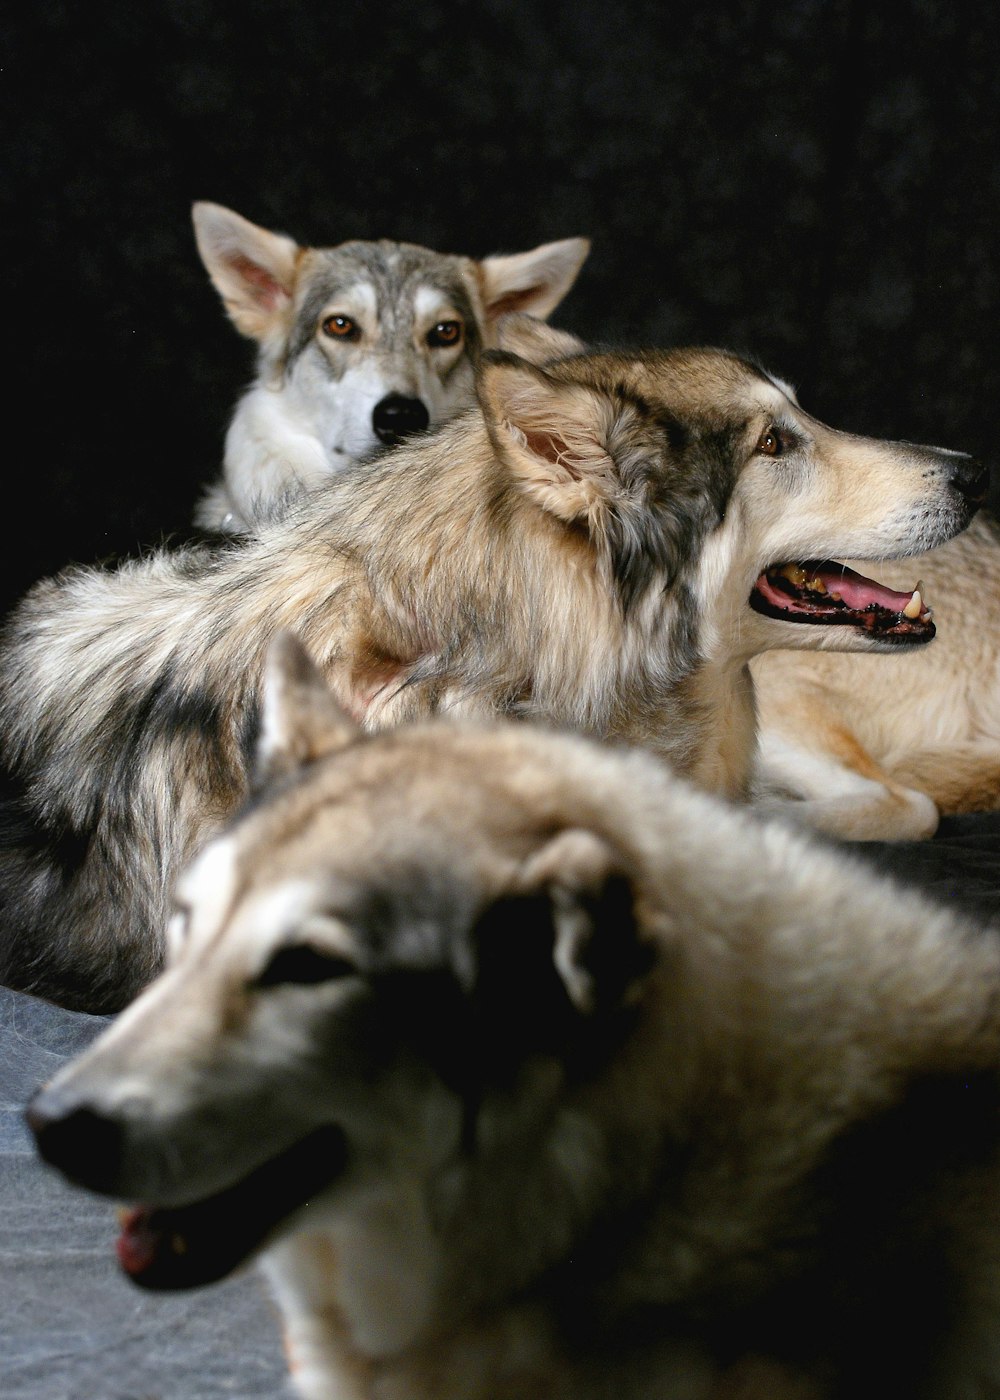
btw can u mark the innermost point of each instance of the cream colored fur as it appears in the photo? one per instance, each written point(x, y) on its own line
point(582, 550)
point(877, 748)
point(720, 1123)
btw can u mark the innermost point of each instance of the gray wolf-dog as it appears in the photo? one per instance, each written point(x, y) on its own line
point(602, 545)
point(531, 1072)
point(879, 749)
point(359, 346)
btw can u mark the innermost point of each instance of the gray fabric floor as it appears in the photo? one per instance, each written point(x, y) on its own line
point(72, 1327)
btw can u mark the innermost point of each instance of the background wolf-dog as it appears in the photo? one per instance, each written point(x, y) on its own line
point(604, 546)
point(536, 1073)
point(359, 346)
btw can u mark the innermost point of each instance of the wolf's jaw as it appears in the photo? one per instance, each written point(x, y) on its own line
point(825, 593)
point(188, 1246)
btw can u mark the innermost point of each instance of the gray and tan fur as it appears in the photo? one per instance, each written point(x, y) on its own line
point(360, 345)
point(581, 551)
point(597, 1087)
point(882, 748)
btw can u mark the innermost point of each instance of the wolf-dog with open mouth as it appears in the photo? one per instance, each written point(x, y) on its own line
point(881, 748)
point(601, 544)
point(528, 1070)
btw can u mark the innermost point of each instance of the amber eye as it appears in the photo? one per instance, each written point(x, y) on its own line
point(771, 442)
point(445, 333)
point(341, 328)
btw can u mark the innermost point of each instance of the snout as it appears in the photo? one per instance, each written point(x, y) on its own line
point(85, 1144)
point(396, 417)
point(971, 479)
point(956, 486)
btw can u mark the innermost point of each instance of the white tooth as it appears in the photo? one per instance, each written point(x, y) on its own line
point(916, 604)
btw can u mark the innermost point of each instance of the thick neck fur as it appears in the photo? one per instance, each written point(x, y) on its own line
point(482, 604)
point(755, 1082)
point(697, 1140)
point(526, 619)
point(473, 601)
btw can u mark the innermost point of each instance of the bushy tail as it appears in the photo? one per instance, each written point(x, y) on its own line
point(48, 945)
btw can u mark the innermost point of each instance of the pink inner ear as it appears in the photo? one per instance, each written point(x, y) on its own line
point(513, 301)
point(550, 448)
point(374, 681)
point(268, 292)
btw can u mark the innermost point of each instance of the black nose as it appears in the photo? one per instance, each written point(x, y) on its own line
point(80, 1141)
point(971, 479)
point(395, 418)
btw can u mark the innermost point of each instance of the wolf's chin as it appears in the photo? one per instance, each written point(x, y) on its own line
point(200, 1243)
point(828, 594)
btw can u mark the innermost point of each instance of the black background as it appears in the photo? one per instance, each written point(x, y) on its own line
point(813, 183)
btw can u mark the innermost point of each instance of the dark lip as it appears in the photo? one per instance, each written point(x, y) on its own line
point(883, 623)
point(189, 1246)
point(884, 626)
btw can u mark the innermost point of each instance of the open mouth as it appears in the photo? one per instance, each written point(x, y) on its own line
point(188, 1246)
point(829, 594)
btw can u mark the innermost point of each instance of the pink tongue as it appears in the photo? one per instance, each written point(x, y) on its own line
point(139, 1242)
point(859, 592)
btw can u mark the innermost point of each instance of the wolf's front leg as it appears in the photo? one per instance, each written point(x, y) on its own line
point(323, 1361)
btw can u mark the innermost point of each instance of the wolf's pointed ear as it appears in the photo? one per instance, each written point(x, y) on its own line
point(535, 340)
point(300, 719)
point(535, 282)
point(597, 947)
point(555, 437)
point(252, 269)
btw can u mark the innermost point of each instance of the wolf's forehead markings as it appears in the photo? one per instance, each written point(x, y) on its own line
point(272, 915)
point(387, 298)
point(317, 299)
point(373, 261)
point(208, 886)
point(216, 891)
point(775, 397)
point(432, 301)
point(353, 294)
point(785, 388)
point(775, 391)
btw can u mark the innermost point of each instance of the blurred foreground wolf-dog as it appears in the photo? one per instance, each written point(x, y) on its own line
point(359, 346)
point(531, 1071)
point(602, 545)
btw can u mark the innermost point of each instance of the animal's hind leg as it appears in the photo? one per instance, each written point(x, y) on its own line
point(959, 777)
